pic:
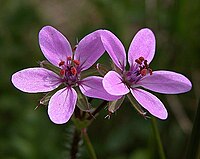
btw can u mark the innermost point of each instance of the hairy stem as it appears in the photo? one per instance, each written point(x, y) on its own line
point(157, 136)
point(75, 143)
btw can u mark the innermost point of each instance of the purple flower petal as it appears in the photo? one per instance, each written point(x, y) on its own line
point(54, 45)
point(34, 80)
point(166, 82)
point(62, 105)
point(89, 50)
point(114, 48)
point(93, 87)
point(150, 103)
point(113, 84)
point(142, 45)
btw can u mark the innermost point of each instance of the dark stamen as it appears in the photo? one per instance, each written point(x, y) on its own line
point(150, 71)
point(61, 63)
point(143, 72)
point(141, 59)
point(76, 62)
point(73, 70)
point(69, 58)
point(145, 64)
point(138, 61)
point(62, 72)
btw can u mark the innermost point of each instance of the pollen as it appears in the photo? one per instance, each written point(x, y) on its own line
point(73, 70)
point(145, 64)
point(144, 68)
point(138, 61)
point(62, 72)
point(61, 63)
point(144, 72)
point(141, 59)
point(76, 62)
point(150, 71)
point(69, 58)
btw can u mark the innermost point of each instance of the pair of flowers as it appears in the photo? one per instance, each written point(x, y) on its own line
point(115, 84)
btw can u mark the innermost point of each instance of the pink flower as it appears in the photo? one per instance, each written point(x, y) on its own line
point(140, 75)
point(57, 51)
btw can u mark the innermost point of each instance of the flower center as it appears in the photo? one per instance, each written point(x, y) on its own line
point(69, 72)
point(137, 71)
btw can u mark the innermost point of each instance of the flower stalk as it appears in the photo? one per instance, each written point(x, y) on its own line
point(81, 124)
point(88, 144)
point(157, 136)
point(75, 143)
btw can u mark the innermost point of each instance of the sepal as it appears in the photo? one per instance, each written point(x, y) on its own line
point(82, 101)
point(136, 105)
point(115, 105)
point(102, 69)
point(49, 66)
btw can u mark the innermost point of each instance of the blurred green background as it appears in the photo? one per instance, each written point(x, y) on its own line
point(26, 133)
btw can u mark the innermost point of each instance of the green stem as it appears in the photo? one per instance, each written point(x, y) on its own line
point(88, 144)
point(157, 136)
